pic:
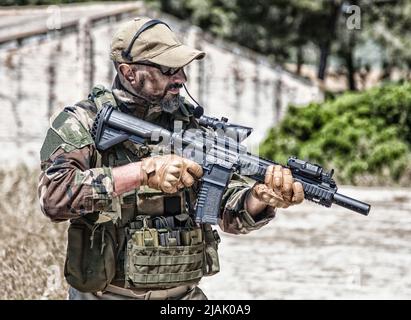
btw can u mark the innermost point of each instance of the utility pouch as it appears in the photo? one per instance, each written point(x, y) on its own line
point(165, 265)
point(146, 237)
point(189, 237)
point(154, 202)
point(212, 239)
point(90, 263)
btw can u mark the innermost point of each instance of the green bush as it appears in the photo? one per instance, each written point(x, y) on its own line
point(365, 136)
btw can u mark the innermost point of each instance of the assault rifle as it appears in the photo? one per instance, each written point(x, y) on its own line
point(220, 154)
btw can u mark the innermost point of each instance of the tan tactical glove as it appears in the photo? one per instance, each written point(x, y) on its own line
point(169, 173)
point(279, 189)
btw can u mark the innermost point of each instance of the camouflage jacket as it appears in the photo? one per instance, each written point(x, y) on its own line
point(73, 182)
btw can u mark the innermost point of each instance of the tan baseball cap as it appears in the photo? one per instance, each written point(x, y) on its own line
point(157, 44)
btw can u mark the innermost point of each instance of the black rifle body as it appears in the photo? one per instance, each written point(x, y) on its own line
point(220, 156)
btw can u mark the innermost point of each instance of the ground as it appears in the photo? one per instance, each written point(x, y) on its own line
point(309, 252)
point(306, 252)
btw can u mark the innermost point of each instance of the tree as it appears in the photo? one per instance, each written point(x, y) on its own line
point(273, 28)
point(281, 29)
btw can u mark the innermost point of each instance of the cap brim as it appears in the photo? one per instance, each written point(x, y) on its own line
point(177, 57)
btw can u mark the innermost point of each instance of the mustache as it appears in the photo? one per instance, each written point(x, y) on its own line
point(175, 86)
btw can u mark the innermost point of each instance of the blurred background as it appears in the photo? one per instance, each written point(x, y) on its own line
point(327, 81)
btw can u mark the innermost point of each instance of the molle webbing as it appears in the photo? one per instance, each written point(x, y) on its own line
point(167, 260)
point(182, 277)
point(149, 267)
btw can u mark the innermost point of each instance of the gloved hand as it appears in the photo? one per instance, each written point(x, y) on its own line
point(279, 189)
point(169, 173)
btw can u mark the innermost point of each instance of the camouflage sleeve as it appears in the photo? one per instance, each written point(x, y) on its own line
point(68, 185)
point(234, 218)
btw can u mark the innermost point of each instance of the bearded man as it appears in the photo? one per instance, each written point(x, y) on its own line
point(132, 234)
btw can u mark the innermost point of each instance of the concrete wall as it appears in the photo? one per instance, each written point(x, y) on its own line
point(43, 70)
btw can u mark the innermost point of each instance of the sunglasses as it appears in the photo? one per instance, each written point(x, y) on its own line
point(167, 71)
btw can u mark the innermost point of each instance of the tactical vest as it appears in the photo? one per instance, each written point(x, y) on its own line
point(156, 242)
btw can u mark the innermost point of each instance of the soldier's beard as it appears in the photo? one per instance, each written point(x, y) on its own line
point(167, 102)
point(171, 104)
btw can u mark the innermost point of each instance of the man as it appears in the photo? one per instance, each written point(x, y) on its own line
point(131, 234)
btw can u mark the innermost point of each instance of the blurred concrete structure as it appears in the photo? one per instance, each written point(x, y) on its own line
point(50, 57)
